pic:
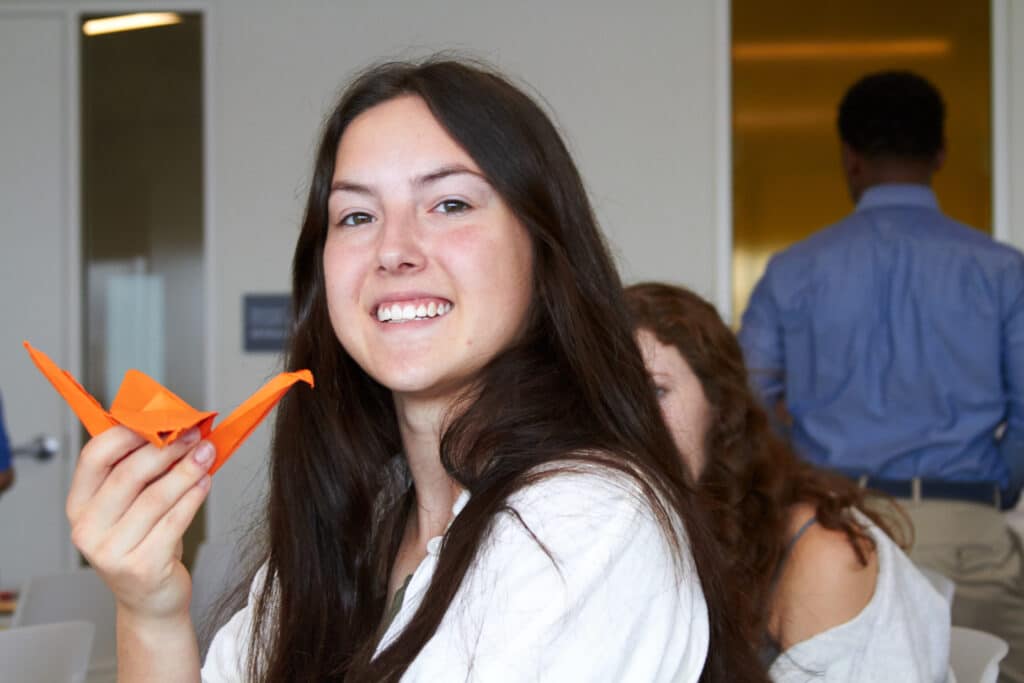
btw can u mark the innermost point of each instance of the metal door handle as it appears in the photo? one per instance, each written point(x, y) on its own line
point(42, 447)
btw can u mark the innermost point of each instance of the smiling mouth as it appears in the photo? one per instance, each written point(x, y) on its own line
point(408, 311)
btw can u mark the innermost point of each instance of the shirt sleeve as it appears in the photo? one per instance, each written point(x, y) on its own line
point(761, 338)
point(1011, 444)
point(578, 584)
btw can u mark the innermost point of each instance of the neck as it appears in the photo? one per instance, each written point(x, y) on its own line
point(420, 425)
point(887, 172)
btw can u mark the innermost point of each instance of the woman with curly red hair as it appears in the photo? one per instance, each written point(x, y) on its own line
point(828, 593)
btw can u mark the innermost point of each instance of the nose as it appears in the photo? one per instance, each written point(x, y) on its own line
point(399, 249)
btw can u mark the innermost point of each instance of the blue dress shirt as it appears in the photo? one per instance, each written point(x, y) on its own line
point(896, 339)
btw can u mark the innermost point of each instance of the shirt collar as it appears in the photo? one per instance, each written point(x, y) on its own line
point(898, 194)
point(434, 544)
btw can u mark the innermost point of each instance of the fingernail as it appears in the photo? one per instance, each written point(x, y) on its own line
point(204, 453)
point(204, 483)
point(190, 437)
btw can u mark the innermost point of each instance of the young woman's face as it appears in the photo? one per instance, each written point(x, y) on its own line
point(683, 405)
point(428, 272)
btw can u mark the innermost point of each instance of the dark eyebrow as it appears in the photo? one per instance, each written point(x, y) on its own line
point(444, 172)
point(432, 177)
point(346, 186)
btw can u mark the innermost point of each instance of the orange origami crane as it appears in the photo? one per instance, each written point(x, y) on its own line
point(153, 412)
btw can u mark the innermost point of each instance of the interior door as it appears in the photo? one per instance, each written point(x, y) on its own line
point(37, 265)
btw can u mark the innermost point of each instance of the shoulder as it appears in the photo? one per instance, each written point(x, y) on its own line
point(830, 237)
point(578, 510)
point(791, 270)
point(576, 486)
point(555, 591)
point(589, 531)
point(823, 583)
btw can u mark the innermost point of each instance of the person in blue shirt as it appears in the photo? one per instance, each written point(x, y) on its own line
point(893, 344)
point(6, 468)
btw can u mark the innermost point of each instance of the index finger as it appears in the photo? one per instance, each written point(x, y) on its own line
point(98, 457)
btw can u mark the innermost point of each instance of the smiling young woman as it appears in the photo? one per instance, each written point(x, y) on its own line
point(480, 487)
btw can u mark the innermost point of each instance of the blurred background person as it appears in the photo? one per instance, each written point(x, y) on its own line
point(894, 341)
point(835, 594)
point(6, 464)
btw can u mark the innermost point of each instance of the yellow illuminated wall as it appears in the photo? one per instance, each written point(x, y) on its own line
point(792, 60)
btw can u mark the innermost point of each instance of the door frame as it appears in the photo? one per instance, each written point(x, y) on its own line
point(71, 350)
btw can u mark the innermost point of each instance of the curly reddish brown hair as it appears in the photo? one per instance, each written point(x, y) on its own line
point(752, 477)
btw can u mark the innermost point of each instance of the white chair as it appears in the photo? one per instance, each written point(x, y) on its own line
point(75, 596)
point(50, 653)
point(943, 584)
point(974, 655)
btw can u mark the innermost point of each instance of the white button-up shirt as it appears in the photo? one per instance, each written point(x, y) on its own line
point(610, 603)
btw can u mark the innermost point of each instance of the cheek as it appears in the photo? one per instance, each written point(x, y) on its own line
point(499, 271)
point(340, 279)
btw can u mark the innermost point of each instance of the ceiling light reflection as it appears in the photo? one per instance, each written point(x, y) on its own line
point(129, 22)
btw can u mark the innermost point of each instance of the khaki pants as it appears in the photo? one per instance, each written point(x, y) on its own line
point(973, 545)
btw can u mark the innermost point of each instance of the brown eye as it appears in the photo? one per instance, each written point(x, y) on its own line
point(356, 218)
point(452, 206)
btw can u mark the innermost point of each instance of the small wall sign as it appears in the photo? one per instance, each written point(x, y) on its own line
point(266, 321)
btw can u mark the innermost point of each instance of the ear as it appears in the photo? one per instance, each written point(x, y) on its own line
point(939, 160)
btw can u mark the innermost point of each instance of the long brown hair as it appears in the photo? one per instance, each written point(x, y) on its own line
point(751, 477)
point(573, 388)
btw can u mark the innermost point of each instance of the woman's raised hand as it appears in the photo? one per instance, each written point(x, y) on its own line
point(129, 506)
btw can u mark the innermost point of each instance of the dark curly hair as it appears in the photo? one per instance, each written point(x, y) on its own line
point(752, 477)
point(893, 114)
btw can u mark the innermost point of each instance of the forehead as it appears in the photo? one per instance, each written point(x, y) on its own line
point(400, 132)
point(660, 357)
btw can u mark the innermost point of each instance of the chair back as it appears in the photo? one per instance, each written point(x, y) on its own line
point(974, 655)
point(49, 653)
point(79, 595)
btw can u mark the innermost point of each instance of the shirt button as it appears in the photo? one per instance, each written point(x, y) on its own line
point(434, 545)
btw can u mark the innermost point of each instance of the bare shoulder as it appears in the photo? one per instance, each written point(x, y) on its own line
point(823, 583)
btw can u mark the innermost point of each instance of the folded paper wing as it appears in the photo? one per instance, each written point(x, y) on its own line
point(146, 407)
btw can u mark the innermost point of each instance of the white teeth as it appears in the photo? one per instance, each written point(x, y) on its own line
point(398, 313)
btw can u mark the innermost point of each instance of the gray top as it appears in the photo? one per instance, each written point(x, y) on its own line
point(901, 635)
